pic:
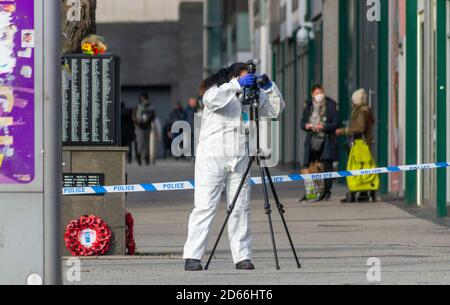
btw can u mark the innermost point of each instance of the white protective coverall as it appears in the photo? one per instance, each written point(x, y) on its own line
point(221, 162)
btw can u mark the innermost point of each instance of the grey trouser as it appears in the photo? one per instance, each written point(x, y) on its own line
point(142, 141)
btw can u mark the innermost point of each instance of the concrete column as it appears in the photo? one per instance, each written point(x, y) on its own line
point(330, 66)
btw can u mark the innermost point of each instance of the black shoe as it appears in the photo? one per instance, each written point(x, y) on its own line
point(245, 265)
point(302, 199)
point(325, 197)
point(139, 160)
point(193, 265)
point(373, 196)
point(349, 198)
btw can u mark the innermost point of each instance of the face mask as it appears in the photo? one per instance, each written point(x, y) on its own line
point(319, 98)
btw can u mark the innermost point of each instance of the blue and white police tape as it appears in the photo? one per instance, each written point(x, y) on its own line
point(190, 185)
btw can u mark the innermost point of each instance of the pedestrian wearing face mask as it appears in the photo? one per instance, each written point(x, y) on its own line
point(320, 120)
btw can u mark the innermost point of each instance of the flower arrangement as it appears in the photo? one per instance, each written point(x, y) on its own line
point(88, 236)
point(94, 45)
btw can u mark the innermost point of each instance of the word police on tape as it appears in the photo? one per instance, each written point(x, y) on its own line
point(190, 185)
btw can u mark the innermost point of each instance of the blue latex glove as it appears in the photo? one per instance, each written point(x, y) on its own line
point(248, 81)
point(264, 82)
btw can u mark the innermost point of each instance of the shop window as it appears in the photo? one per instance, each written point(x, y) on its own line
point(295, 5)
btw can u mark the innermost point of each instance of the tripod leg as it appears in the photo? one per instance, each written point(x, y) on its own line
point(230, 210)
point(269, 215)
point(282, 212)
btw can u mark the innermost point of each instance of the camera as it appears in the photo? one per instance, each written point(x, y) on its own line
point(252, 63)
point(251, 94)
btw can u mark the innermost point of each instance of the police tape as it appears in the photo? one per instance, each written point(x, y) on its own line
point(190, 185)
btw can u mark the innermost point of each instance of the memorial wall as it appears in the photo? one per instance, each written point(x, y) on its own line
point(91, 100)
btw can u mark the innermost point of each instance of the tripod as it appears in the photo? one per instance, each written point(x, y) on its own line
point(253, 101)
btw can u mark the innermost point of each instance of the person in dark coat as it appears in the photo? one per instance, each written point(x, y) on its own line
point(320, 120)
point(143, 117)
point(128, 134)
point(177, 114)
point(189, 116)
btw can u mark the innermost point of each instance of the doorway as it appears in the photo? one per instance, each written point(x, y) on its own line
point(303, 95)
point(368, 66)
point(427, 99)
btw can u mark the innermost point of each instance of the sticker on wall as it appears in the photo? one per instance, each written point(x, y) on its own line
point(25, 53)
point(17, 95)
point(7, 8)
point(27, 39)
point(7, 34)
point(6, 121)
point(26, 71)
point(6, 99)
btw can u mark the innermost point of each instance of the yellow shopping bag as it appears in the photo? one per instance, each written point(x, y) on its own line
point(361, 158)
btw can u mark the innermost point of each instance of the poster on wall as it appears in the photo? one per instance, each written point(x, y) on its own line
point(17, 43)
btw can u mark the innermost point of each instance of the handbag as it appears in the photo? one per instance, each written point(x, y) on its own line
point(317, 142)
point(361, 158)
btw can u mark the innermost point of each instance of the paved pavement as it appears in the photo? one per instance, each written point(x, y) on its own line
point(334, 240)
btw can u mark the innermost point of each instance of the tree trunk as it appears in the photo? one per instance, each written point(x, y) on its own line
point(78, 21)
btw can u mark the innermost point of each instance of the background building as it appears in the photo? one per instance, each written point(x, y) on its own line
point(294, 60)
point(111, 11)
point(226, 33)
point(161, 46)
point(426, 99)
point(397, 50)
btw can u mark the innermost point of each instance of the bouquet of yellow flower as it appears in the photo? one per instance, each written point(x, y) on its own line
point(94, 45)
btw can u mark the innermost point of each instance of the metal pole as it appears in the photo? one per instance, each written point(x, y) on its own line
point(52, 141)
point(411, 99)
point(441, 131)
point(281, 210)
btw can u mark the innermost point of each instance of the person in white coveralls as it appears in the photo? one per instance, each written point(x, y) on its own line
point(221, 160)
